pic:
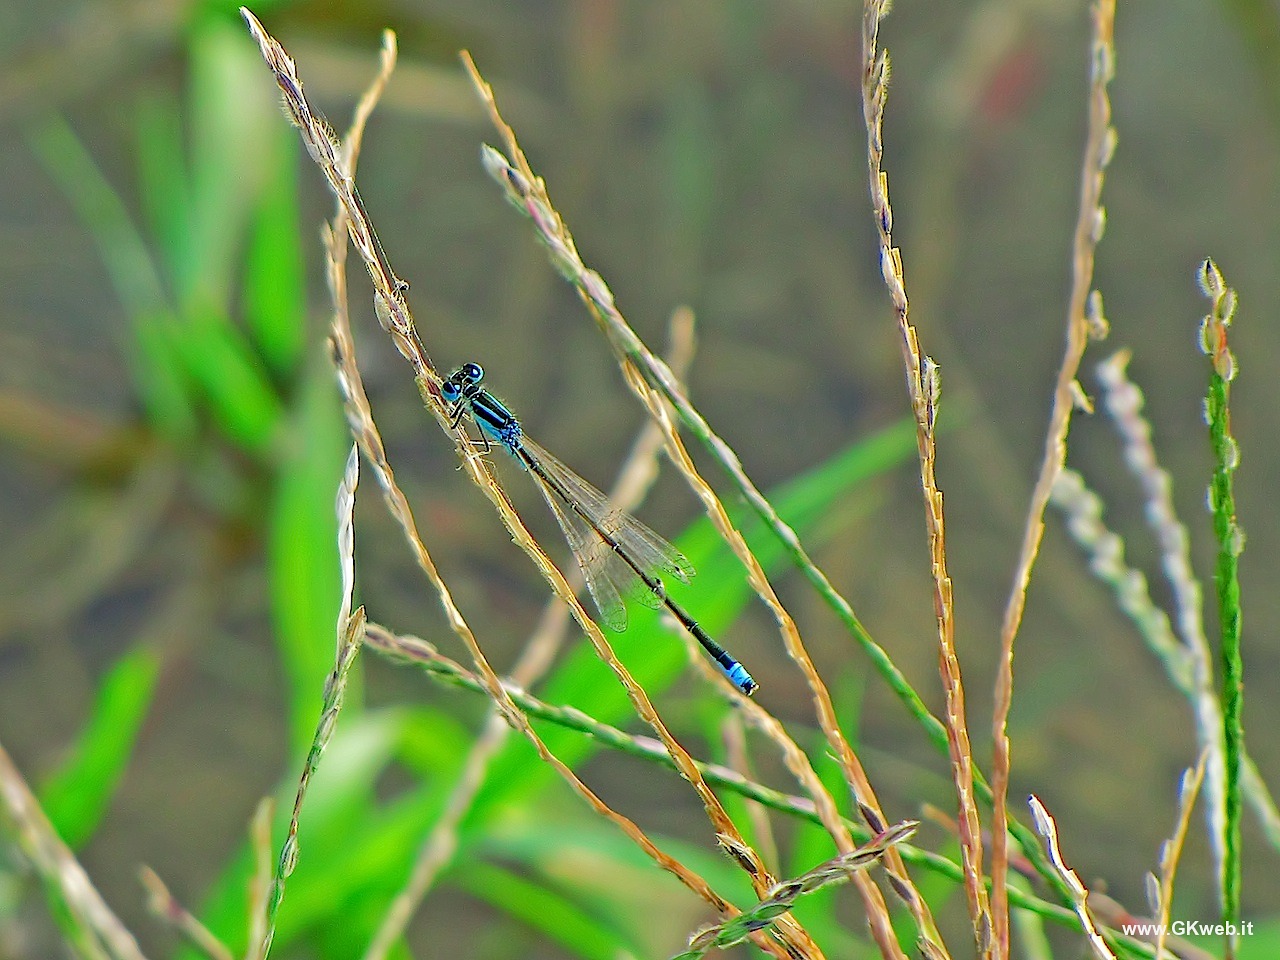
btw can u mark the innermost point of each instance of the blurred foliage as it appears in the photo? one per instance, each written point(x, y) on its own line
point(709, 154)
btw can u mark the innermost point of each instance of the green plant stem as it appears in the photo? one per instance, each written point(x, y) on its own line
point(409, 649)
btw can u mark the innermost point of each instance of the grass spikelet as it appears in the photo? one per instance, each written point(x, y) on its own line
point(1226, 455)
point(783, 896)
point(1079, 894)
point(1090, 219)
point(1171, 850)
point(350, 633)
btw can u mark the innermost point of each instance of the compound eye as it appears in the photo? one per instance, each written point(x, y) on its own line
point(449, 390)
point(473, 372)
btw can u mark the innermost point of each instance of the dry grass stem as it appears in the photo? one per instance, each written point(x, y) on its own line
point(1172, 849)
point(415, 651)
point(324, 149)
point(924, 390)
point(1084, 320)
point(734, 734)
point(360, 418)
point(260, 881)
point(653, 383)
point(98, 931)
point(437, 850)
point(163, 904)
point(636, 476)
point(1080, 896)
point(394, 315)
point(400, 326)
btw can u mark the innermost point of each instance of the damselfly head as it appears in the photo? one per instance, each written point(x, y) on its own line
point(463, 382)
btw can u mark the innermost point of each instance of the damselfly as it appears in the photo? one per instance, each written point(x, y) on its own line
point(615, 550)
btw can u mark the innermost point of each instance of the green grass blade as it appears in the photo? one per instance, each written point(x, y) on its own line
point(129, 265)
point(1222, 504)
point(164, 185)
point(165, 387)
point(548, 911)
point(340, 806)
point(274, 281)
point(305, 582)
point(238, 393)
point(154, 358)
point(76, 798)
point(234, 123)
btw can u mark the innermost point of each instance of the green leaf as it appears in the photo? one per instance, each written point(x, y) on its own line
point(274, 281)
point(1261, 943)
point(154, 358)
point(164, 186)
point(129, 265)
point(544, 909)
point(76, 798)
point(161, 378)
point(341, 822)
point(234, 123)
point(239, 394)
point(303, 551)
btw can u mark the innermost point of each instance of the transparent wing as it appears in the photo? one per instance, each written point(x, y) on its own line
point(592, 555)
point(651, 552)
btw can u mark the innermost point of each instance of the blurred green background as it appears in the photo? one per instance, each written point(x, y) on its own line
point(170, 437)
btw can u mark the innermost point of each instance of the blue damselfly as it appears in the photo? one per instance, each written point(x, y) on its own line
point(615, 550)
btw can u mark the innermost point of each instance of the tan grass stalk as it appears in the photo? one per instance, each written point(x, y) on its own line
point(924, 389)
point(260, 881)
point(734, 735)
point(1171, 851)
point(1084, 319)
point(415, 651)
point(164, 905)
point(1080, 895)
point(396, 319)
point(350, 634)
point(360, 417)
point(653, 383)
point(97, 931)
point(394, 313)
point(437, 850)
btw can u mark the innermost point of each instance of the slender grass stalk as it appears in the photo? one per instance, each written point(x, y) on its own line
point(350, 635)
point(394, 315)
point(263, 862)
point(163, 904)
point(1084, 320)
point(413, 650)
point(782, 898)
point(1171, 851)
point(440, 845)
point(89, 924)
point(1222, 505)
point(924, 390)
point(1079, 894)
point(528, 193)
